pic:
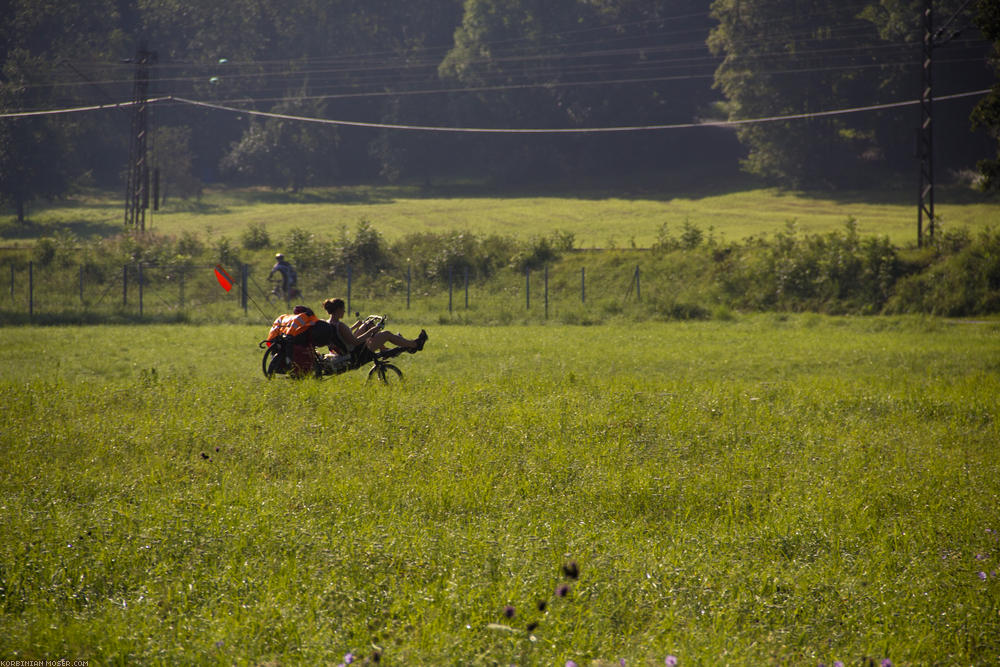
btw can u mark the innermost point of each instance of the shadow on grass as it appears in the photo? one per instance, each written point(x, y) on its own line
point(21, 318)
point(339, 195)
point(85, 229)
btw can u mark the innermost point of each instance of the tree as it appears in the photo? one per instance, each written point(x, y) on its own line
point(794, 57)
point(285, 153)
point(789, 57)
point(40, 157)
point(172, 155)
point(580, 63)
point(987, 112)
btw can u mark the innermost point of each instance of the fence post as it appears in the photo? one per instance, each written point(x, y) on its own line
point(243, 286)
point(450, 273)
point(527, 288)
point(408, 275)
point(638, 293)
point(12, 281)
point(466, 287)
point(348, 288)
point(124, 285)
point(583, 285)
point(182, 272)
point(31, 289)
point(81, 283)
point(140, 290)
point(546, 291)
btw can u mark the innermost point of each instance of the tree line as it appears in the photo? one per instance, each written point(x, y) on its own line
point(485, 64)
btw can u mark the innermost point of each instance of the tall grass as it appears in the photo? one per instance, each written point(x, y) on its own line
point(767, 489)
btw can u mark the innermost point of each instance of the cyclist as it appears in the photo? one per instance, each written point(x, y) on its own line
point(288, 276)
point(348, 340)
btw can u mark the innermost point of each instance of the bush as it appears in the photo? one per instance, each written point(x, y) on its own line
point(255, 237)
point(955, 285)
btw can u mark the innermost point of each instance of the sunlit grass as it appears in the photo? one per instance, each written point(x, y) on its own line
point(767, 489)
point(602, 220)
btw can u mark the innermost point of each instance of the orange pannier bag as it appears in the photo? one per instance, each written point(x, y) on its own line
point(291, 325)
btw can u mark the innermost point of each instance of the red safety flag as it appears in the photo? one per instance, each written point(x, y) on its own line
point(223, 278)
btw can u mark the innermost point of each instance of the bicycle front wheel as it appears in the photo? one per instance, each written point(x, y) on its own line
point(386, 373)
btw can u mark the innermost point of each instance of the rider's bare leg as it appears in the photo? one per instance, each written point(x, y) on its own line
point(378, 340)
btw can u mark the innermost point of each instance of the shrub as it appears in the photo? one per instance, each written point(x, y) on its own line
point(255, 237)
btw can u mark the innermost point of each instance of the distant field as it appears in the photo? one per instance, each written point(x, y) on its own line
point(763, 490)
point(599, 220)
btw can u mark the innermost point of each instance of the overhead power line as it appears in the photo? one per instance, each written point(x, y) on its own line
point(95, 107)
point(578, 130)
point(494, 130)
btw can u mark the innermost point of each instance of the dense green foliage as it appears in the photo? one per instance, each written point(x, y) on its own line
point(565, 64)
point(790, 57)
point(766, 490)
point(987, 112)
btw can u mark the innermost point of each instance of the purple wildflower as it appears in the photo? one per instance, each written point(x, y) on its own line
point(508, 611)
point(348, 658)
point(570, 663)
point(983, 575)
point(886, 662)
point(670, 661)
point(562, 591)
point(838, 663)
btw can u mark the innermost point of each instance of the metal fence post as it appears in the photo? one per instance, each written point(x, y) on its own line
point(124, 285)
point(243, 286)
point(583, 285)
point(546, 291)
point(12, 282)
point(348, 288)
point(638, 293)
point(527, 288)
point(81, 283)
point(31, 289)
point(466, 287)
point(408, 275)
point(449, 289)
point(140, 290)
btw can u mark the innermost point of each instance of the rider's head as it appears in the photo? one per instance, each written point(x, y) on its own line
point(280, 257)
point(333, 306)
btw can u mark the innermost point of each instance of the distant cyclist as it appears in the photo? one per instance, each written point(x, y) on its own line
point(288, 276)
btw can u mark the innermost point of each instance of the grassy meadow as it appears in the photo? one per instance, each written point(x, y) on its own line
point(623, 218)
point(761, 490)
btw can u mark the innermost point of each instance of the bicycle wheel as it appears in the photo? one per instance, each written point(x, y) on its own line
point(265, 366)
point(386, 373)
point(273, 361)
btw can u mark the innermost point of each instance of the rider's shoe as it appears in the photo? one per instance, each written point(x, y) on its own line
point(421, 339)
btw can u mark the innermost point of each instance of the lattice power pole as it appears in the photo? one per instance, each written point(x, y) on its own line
point(925, 134)
point(137, 188)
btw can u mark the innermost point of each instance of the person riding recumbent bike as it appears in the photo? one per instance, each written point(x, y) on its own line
point(290, 348)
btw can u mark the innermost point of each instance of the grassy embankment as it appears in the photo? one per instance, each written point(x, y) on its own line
point(762, 490)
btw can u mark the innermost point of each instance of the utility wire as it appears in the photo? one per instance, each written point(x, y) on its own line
point(580, 130)
point(434, 128)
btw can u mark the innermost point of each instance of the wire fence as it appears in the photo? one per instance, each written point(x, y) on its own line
point(157, 292)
